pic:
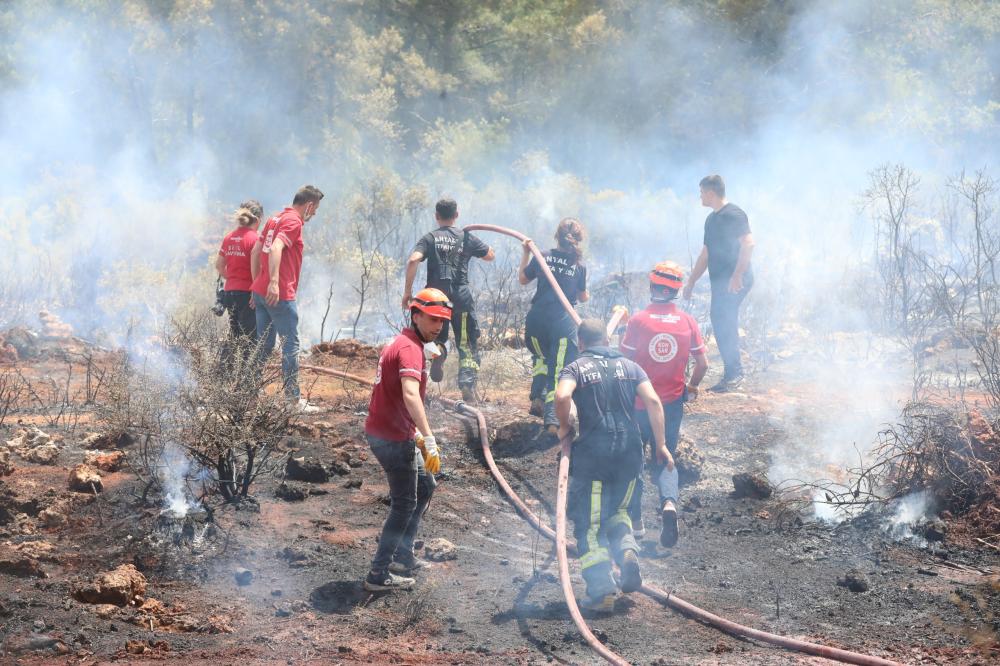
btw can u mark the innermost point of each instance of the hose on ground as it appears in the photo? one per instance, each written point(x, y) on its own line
point(559, 535)
point(562, 547)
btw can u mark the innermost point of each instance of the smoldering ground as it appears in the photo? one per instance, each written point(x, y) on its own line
point(129, 131)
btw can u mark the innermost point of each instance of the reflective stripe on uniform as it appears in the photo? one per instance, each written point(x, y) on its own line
point(621, 513)
point(596, 553)
point(466, 361)
point(541, 367)
point(560, 361)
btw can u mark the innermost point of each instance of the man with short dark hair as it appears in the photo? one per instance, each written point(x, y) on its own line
point(607, 458)
point(275, 263)
point(447, 251)
point(726, 252)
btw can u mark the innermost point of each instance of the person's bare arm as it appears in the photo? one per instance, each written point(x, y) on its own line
point(255, 259)
point(583, 297)
point(564, 405)
point(490, 256)
point(654, 408)
point(697, 374)
point(415, 405)
point(273, 271)
point(411, 272)
point(699, 269)
point(522, 278)
point(220, 266)
point(742, 262)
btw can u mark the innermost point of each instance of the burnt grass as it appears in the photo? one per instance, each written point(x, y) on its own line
point(499, 601)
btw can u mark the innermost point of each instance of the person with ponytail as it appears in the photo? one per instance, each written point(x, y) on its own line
point(550, 332)
point(233, 266)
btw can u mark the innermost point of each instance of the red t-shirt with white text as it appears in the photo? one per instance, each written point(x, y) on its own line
point(387, 415)
point(236, 248)
point(660, 339)
point(287, 226)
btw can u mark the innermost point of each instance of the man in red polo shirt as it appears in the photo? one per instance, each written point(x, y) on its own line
point(396, 419)
point(660, 339)
point(275, 263)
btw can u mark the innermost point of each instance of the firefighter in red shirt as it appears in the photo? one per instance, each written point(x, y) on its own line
point(276, 262)
point(396, 426)
point(660, 339)
point(233, 266)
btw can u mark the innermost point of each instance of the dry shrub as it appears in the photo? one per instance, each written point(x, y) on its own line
point(226, 415)
point(953, 457)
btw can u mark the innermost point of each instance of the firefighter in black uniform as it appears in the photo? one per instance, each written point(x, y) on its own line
point(447, 251)
point(549, 331)
point(606, 460)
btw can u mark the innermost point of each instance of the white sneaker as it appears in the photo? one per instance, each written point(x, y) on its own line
point(306, 407)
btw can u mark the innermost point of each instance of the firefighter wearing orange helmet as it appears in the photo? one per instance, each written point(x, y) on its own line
point(401, 439)
point(661, 339)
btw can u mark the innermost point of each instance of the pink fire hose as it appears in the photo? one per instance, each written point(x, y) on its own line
point(559, 535)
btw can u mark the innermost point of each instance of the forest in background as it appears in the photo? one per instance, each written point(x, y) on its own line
point(131, 129)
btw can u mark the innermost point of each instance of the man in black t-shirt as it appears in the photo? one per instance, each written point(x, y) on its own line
point(447, 251)
point(726, 254)
point(606, 458)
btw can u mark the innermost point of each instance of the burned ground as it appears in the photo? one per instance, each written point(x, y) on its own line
point(278, 579)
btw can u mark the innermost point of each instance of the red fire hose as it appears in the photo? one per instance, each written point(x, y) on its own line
point(559, 536)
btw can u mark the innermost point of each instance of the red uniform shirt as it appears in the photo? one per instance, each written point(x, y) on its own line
point(387, 415)
point(288, 227)
point(660, 339)
point(236, 248)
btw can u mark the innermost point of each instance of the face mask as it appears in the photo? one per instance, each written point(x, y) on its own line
point(431, 351)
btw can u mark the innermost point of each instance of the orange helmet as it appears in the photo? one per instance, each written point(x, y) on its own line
point(667, 274)
point(433, 302)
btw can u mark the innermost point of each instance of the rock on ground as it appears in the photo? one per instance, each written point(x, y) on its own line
point(440, 550)
point(29, 438)
point(243, 576)
point(122, 587)
point(689, 461)
point(753, 485)
point(6, 466)
point(97, 440)
point(45, 454)
point(21, 566)
point(291, 492)
point(106, 462)
point(82, 476)
point(306, 469)
point(52, 517)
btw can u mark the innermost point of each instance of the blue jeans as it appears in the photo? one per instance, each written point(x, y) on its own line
point(410, 490)
point(274, 320)
point(725, 315)
point(667, 481)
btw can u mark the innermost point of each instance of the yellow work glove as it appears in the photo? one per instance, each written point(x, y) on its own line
point(429, 451)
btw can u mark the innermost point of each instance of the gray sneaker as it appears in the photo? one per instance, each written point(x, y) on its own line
point(387, 582)
point(409, 565)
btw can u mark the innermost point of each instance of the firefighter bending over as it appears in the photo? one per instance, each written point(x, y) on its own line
point(447, 251)
point(606, 459)
point(396, 426)
point(661, 339)
point(549, 331)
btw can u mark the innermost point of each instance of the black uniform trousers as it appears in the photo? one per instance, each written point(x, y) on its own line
point(550, 335)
